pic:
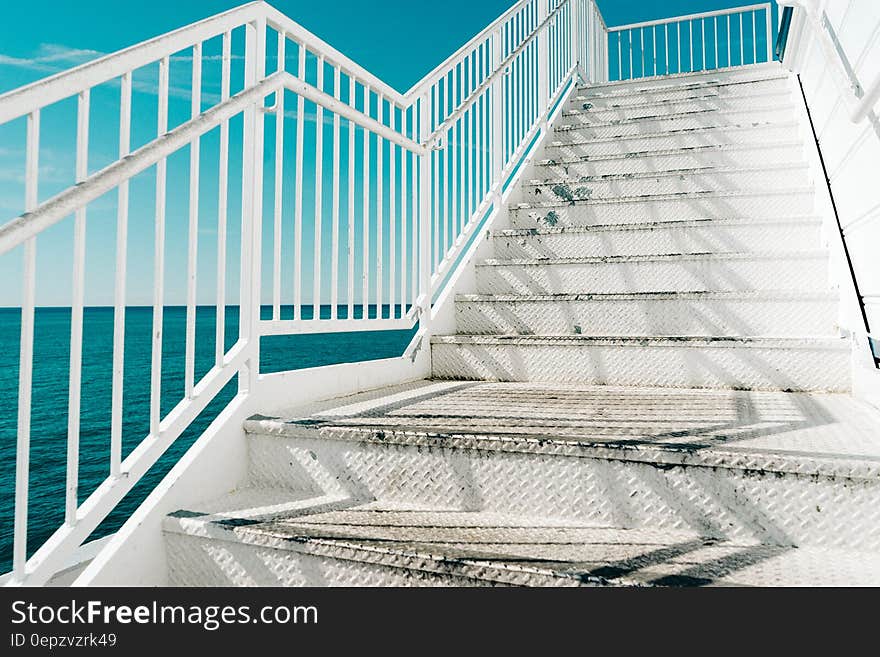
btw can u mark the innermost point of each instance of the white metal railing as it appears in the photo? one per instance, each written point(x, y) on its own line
point(698, 42)
point(387, 192)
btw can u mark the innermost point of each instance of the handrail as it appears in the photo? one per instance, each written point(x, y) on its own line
point(690, 17)
point(19, 102)
point(502, 69)
point(784, 31)
point(282, 23)
point(17, 231)
point(866, 105)
point(863, 101)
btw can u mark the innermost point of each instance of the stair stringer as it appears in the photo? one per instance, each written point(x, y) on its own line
point(865, 374)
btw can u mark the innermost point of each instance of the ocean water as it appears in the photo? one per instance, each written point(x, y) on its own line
point(50, 398)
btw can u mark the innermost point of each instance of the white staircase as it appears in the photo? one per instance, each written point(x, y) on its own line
point(641, 390)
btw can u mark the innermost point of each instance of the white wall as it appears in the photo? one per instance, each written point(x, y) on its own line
point(851, 151)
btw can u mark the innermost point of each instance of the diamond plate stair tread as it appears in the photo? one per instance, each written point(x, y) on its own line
point(658, 93)
point(830, 343)
point(827, 435)
point(647, 198)
point(775, 313)
point(674, 124)
point(665, 134)
point(581, 106)
point(679, 150)
point(494, 548)
point(669, 173)
point(747, 72)
point(658, 257)
point(788, 295)
point(657, 225)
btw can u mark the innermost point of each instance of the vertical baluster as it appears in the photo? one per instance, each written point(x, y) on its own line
point(279, 182)
point(703, 26)
point(298, 210)
point(26, 356)
point(729, 43)
point(415, 201)
point(119, 288)
point(620, 55)
point(454, 146)
point(159, 261)
point(351, 134)
point(755, 35)
point(365, 302)
point(742, 41)
point(425, 215)
point(222, 206)
point(768, 11)
point(678, 39)
point(404, 156)
point(462, 146)
point(435, 170)
point(497, 114)
point(642, 36)
point(654, 41)
point(480, 116)
point(76, 315)
point(715, 31)
point(392, 216)
point(444, 170)
point(631, 49)
point(252, 206)
point(520, 79)
point(691, 45)
point(472, 124)
point(319, 194)
point(193, 239)
point(334, 267)
point(380, 210)
point(666, 47)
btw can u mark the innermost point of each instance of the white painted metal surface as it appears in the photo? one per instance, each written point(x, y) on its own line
point(534, 38)
point(441, 164)
point(390, 487)
point(834, 48)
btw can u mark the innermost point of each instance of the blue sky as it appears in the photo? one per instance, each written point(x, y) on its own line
point(397, 40)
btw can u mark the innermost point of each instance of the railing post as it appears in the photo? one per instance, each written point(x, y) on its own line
point(497, 120)
point(425, 184)
point(543, 65)
point(252, 206)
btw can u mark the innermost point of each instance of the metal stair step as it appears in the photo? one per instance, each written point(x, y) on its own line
point(375, 546)
point(734, 314)
point(705, 235)
point(660, 90)
point(754, 179)
point(780, 203)
point(572, 146)
point(692, 120)
point(584, 112)
point(767, 467)
point(788, 364)
point(738, 74)
point(688, 272)
point(626, 97)
point(662, 160)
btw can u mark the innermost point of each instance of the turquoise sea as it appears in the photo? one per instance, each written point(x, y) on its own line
point(50, 397)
